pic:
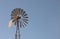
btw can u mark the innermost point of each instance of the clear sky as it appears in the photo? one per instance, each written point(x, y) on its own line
point(44, 19)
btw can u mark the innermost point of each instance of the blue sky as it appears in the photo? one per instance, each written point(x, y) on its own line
point(44, 19)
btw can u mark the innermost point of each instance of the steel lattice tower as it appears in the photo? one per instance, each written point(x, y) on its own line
point(17, 35)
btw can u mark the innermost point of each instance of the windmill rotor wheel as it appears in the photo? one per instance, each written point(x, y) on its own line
point(21, 14)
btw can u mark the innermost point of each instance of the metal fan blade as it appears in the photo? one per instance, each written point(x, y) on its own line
point(25, 17)
point(12, 14)
point(19, 11)
point(20, 24)
point(12, 17)
point(23, 13)
point(24, 24)
point(25, 21)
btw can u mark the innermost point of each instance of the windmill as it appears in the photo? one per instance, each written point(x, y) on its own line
point(20, 19)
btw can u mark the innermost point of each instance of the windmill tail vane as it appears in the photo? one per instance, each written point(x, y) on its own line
point(10, 24)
